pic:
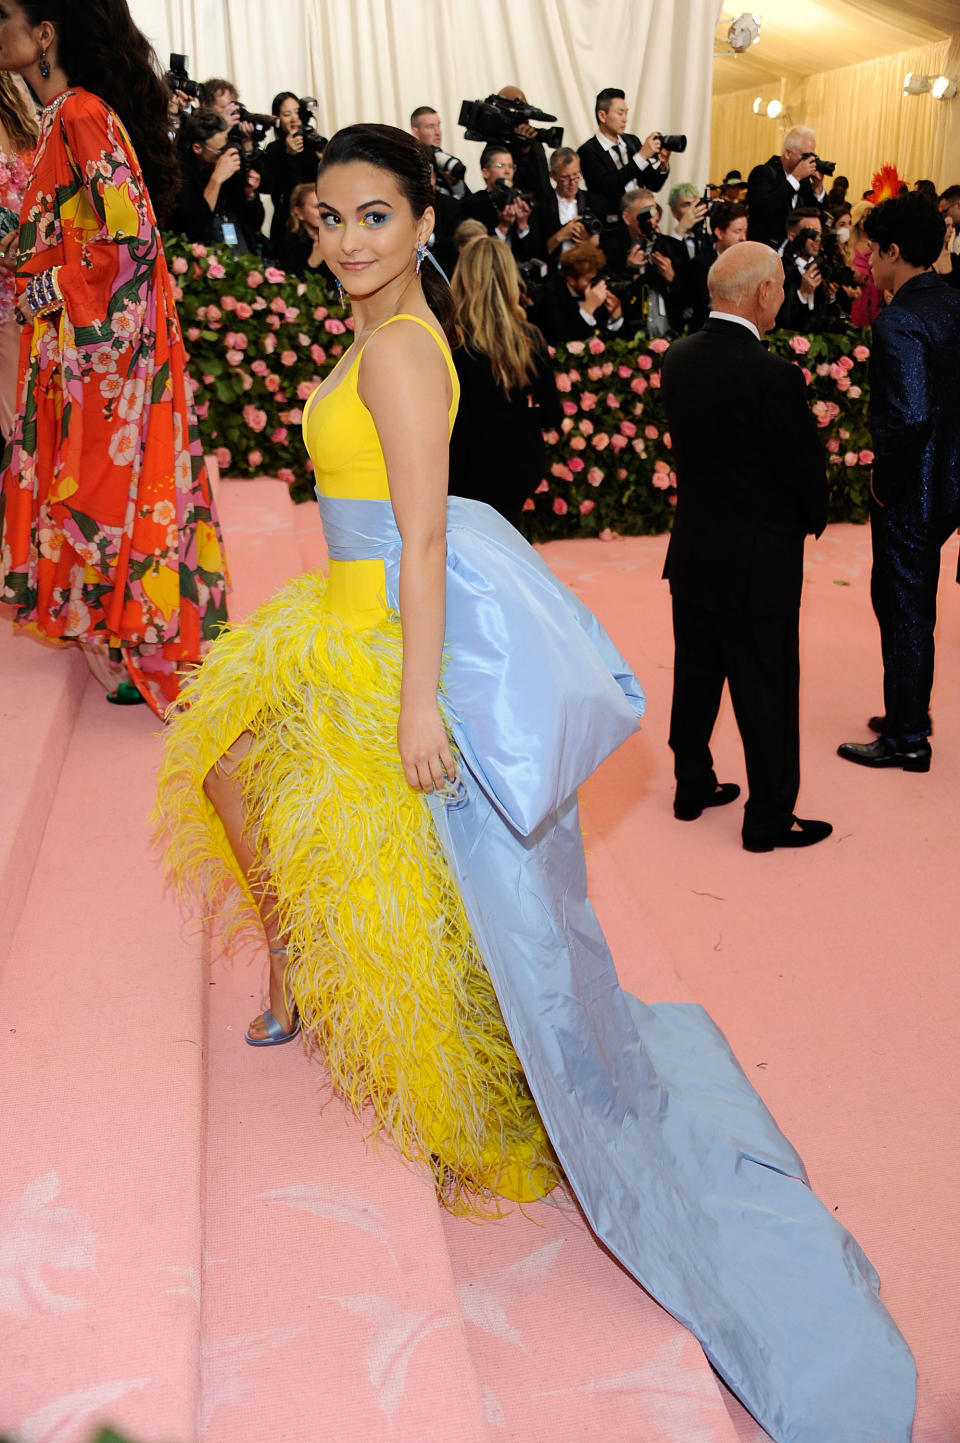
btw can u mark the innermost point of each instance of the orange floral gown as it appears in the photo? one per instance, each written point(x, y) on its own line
point(109, 530)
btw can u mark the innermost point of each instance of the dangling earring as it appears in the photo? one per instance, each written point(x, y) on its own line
point(419, 256)
point(44, 66)
point(339, 290)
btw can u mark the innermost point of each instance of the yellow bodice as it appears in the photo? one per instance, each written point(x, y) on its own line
point(342, 442)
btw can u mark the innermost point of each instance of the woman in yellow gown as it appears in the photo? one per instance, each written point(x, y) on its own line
point(426, 905)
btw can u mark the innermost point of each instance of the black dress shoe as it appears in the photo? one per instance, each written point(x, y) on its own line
point(911, 756)
point(690, 811)
point(798, 834)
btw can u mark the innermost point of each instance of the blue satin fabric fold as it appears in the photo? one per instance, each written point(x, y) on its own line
point(536, 694)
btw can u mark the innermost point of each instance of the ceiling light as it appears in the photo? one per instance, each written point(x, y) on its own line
point(944, 88)
point(916, 84)
point(774, 108)
point(758, 105)
point(743, 32)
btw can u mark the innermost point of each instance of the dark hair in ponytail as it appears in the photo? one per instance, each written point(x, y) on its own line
point(101, 50)
point(403, 157)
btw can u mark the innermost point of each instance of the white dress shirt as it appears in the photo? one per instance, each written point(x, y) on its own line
point(738, 320)
point(620, 159)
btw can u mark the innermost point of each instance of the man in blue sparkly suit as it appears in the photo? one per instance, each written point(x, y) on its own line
point(915, 420)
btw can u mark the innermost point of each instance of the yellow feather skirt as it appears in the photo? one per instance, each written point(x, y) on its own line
point(382, 964)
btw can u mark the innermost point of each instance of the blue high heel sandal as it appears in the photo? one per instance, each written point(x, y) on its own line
point(275, 1034)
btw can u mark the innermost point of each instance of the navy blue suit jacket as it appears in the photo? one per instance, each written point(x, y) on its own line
point(915, 400)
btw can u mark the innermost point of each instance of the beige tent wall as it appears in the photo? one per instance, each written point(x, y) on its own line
point(861, 117)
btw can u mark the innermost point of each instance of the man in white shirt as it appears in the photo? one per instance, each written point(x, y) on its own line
point(571, 216)
point(782, 183)
point(614, 162)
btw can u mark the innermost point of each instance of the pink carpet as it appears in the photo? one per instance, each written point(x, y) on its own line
point(197, 1243)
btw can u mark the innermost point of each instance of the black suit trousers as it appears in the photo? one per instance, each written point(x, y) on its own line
point(903, 589)
point(758, 655)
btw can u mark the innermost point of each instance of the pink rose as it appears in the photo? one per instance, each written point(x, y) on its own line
point(255, 459)
point(850, 458)
point(286, 476)
point(800, 345)
point(247, 381)
point(254, 279)
point(559, 506)
point(566, 425)
point(305, 390)
point(639, 445)
point(806, 375)
point(179, 266)
point(575, 348)
point(607, 535)
point(269, 343)
point(595, 373)
point(824, 368)
point(861, 353)
point(621, 473)
point(278, 305)
point(854, 393)
point(243, 311)
point(601, 442)
point(644, 362)
point(288, 358)
point(833, 444)
point(628, 428)
point(659, 345)
point(594, 475)
point(177, 292)
point(528, 505)
point(224, 457)
point(845, 363)
point(259, 368)
point(624, 372)
point(193, 333)
point(319, 313)
point(613, 402)
point(255, 418)
point(587, 401)
point(618, 442)
point(273, 322)
point(272, 382)
point(577, 443)
point(335, 327)
point(574, 375)
point(661, 476)
point(569, 408)
point(586, 426)
point(198, 250)
point(294, 417)
point(651, 433)
point(562, 381)
point(228, 302)
point(866, 458)
point(214, 313)
point(551, 437)
point(291, 314)
point(576, 463)
point(844, 435)
point(667, 441)
point(655, 380)
point(234, 358)
point(274, 276)
point(595, 346)
point(836, 371)
point(586, 507)
point(216, 271)
point(207, 381)
point(638, 385)
point(545, 485)
point(318, 355)
point(203, 411)
point(843, 384)
point(279, 436)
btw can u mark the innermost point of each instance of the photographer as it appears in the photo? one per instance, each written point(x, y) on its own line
point(506, 213)
point(806, 293)
point(288, 161)
point(527, 147)
point(781, 183)
point(426, 126)
point(214, 205)
point(571, 216)
point(640, 263)
point(728, 222)
point(689, 213)
point(575, 304)
point(614, 162)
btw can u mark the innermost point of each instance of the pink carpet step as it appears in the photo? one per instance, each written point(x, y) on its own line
point(41, 687)
point(101, 1076)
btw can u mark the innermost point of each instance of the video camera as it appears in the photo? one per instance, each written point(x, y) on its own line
point(178, 78)
point(449, 169)
point(824, 167)
point(496, 119)
point(312, 139)
point(503, 195)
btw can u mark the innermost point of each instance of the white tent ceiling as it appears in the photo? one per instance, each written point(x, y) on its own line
point(805, 37)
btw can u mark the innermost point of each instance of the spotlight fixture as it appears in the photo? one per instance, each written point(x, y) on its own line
point(916, 84)
point(743, 32)
point(758, 105)
point(944, 88)
point(774, 108)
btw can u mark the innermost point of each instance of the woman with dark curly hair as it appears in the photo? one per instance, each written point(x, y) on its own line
point(109, 534)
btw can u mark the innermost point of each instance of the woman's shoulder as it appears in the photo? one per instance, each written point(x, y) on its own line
point(80, 104)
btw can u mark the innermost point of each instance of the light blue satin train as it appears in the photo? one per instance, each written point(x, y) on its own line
point(678, 1166)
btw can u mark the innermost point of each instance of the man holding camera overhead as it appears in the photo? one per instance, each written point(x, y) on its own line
point(783, 182)
point(614, 162)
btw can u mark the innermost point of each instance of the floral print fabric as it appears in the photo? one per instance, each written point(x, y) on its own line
point(110, 535)
point(14, 171)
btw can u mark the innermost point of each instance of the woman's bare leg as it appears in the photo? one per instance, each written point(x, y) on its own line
point(224, 792)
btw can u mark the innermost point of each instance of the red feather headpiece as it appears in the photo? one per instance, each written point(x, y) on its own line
point(886, 184)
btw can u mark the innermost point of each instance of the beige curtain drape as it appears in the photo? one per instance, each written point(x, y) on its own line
point(378, 59)
point(861, 117)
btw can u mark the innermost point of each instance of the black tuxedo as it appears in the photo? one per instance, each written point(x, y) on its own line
point(735, 560)
point(795, 314)
point(600, 171)
point(557, 313)
point(770, 199)
point(549, 215)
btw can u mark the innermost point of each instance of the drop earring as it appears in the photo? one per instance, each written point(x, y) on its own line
point(339, 290)
point(44, 66)
point(419, 256)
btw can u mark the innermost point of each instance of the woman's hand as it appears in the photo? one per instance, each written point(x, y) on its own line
point(8, 250)
point(424, 748)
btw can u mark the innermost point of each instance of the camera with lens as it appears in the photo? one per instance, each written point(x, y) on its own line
point(260, 123)
point(533, 273)
point(449, 169)
point(496, 119)
point(676, 144)
point(824, 167)
point(312, 139)
point(503, 195)
point(178, 78)
point(591, 223)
